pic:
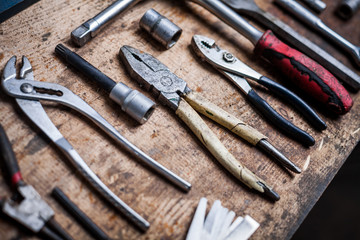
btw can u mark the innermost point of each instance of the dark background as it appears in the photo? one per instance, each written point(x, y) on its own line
point(337, 213)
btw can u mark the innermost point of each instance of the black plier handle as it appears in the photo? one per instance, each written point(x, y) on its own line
point(9, 159)
point(44, 222)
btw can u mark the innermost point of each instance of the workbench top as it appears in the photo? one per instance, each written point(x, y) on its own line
point(37, 30)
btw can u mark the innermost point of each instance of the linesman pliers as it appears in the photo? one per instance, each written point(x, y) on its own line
point(26, 207)
point(172, 91)
point(236, 71)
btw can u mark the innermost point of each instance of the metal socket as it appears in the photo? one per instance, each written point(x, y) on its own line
point(132, 102)
point(160, 28)
point(348, 8)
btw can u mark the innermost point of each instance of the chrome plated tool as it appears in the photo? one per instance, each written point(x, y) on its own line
point(236, 71)
point(307, 74)
point(26, 206)
point(286, 33)
point(174, 93)
point(159, 27)
point(134, 103)
point(313, 21)
point(348, 8)
point(316, 5)
point(27, 93)
point(89, 29)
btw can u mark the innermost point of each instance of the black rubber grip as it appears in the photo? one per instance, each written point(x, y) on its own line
point(276, 119)
point(85, 67)
point(295, 101)
point(8, 157)
point(79, 215)
point(56, 228)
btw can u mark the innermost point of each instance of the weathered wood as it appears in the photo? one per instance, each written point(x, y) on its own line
point(37, 30)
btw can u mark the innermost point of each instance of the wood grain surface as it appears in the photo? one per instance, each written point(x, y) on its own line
point(37, 30)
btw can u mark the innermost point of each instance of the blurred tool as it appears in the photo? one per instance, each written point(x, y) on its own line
point(219, 224)
point(173, 92)
point(26, 206)
point(79, 215)
point(27, 93)
point(306, 16)
point(131, 101)
point(348, 8)
point(159, 27)
point(236, 71)
point(88, 30)
point(316, 5)
point(250, 9)
point(303, 71)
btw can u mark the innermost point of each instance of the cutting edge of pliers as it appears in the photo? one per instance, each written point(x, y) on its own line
point(153, 76)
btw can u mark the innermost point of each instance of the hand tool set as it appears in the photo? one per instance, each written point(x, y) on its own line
point(313, 79)
point(27, 93)
point(237, 71)
point(308, 75)
point(250, 9)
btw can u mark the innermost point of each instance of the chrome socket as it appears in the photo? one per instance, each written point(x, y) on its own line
point(160, 28)
point(132, 102)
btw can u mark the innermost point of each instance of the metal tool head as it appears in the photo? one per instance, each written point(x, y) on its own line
point(84, 33)
point(26, 71)
point(208, 51)
point(154, 76)
point(31, 211)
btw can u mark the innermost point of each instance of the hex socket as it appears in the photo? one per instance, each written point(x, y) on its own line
point(131, 101)
point(348, 8)
point(160, 28)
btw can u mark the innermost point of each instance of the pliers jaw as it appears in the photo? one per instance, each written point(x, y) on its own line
point(221, 59)
point(9, 79)
point(26, 71)
point(31, 211)
point(205, 47)
point(154, 76)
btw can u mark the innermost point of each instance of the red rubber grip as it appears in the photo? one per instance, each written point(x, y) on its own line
point(305, 73)
point(16, 178)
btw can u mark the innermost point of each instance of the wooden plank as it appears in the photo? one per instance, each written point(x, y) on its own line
point(36, 31)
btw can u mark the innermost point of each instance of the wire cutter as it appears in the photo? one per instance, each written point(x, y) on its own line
point(27, 94)
point(237, 71)
point(172, 91)
point(26, 206)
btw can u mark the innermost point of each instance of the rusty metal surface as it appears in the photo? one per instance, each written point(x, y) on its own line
point(37, 30)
